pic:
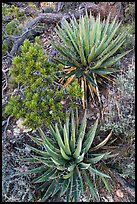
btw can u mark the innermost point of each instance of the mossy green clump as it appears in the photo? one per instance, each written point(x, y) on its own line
point(39, 101)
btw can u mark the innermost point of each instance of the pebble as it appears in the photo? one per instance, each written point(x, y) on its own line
point(119, 193)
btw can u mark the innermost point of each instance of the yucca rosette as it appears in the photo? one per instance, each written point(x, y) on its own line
point(68, 159)
point(89, 49)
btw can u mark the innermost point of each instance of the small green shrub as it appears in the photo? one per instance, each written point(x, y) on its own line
point(91, 48)
point(48, 10)
point(12, 21)
point(68, 159)
point(40, 100)
point(130, 42)
point(120, 116)
point(13, 12)
point(129, 12)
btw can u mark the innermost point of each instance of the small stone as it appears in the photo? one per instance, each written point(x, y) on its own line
point(21, 126)
point(110, 199)
point(63, 102)
point(9, 132)
point(16, 131)
point(119, 193)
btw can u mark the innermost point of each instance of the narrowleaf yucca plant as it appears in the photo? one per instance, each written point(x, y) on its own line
point(68, 159)
point(89, 50)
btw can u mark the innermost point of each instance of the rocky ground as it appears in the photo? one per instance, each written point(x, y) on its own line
point(17, 188)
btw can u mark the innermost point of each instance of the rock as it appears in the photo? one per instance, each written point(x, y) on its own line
point(119, 193)
point(21, 126)
point(110, 199)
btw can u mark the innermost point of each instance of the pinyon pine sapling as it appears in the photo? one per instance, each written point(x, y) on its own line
point(39, 101)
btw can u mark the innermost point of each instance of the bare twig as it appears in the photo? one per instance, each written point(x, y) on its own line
point(60, 86)
point(6, 81)
point(7, 125)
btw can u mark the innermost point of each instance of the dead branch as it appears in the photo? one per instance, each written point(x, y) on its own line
point(55, 18)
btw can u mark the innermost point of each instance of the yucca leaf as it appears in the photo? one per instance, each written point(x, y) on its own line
point(98, 30)
point(90, 137)
point(80, 158)
point(83, 125)
point(83, 92)
point(64, 155)
point(64, 62)
point(80, 180)
point(112, 60)
point(87, 25)
point(60, 125)
point(38, 141)
point(102, 143)
point(35, 170)
point(30, 160)
point(43, 157)
point(67, 54)
point(97, 172)
point(64, 37)
point(91, 187)
point(43, 160)
point(66, 138)
point(71, 73)
point(112, 25)
point(83, 165)
point(112, 45)
point(44, 177)
point(66, 127)
point(68, 175)
point(105, 70)
point(59, 161)
point(69, 80)
point(90, 79)
point(107, 56)
point(49, 191)
point(69, 190)
point(92, 33)
point(91, 54)
point(106, 183)
point(77, 121)
point(52, 130)
point(73, 138)
point(55, 175)
point(43, 186)
point(112, 34)
point(106, 26)
point(43, 153)
point(57, 186)
point(100, 48)
point(47, 141)
point(61, 168)
point(52, 153)
point(84, 23)
point(59, 138)
point(78, 149)
point(65, 186)
point(69, 31)
point(74, 23)
point(71, 167)
point(95, 159)
point(81, 46)
point(75, 188)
